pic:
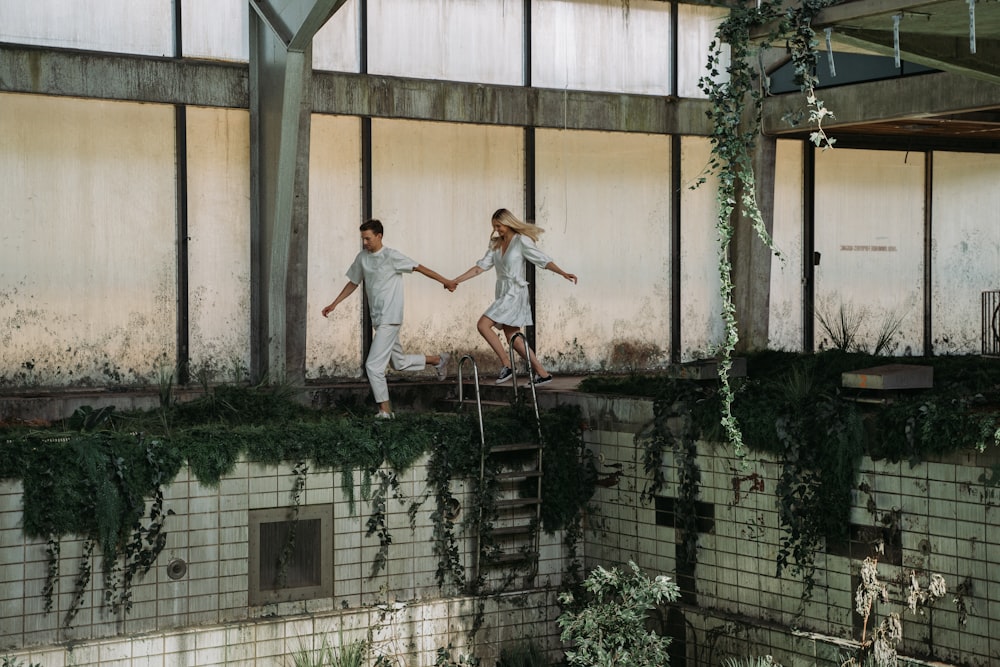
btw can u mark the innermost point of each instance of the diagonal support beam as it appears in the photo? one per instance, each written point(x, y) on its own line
point(893, 99)
point(944, 53)
point(281, 34)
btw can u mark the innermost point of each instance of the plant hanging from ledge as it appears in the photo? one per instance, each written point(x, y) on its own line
point(736, 118)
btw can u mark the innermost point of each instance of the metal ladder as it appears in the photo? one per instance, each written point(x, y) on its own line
point(514, 536)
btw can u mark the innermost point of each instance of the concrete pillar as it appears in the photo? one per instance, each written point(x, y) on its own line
point(751, 256)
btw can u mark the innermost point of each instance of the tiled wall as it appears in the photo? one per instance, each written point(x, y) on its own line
point(944, 509)
point(947, 514)
point(204, 618)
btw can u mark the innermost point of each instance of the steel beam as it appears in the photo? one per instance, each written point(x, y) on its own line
point(892, 99)
point(280, 107)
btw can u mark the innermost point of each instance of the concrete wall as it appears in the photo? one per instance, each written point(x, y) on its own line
point(869, 232)
point(965, 255)
point(88, 274)
point(205, 616)
point(944, 510)
point(88, 260)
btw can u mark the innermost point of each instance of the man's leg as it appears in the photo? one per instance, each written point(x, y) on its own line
point(386, 337)
point(409, 362)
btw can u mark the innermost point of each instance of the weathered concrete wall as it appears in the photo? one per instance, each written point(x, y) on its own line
point(696, 26)
point(869, 231)
point(218, 247)
point(205, 616)
point(333, 345)
point(943, 510)
point(701, 324)
point(604, 200)
point(88, 259)
point(787, 271)
point(219, 30)
point(965, 255)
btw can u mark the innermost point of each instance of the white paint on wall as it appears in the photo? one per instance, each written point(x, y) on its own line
point(118, 26)
point(869, 212)
point(219, 243)
point(965, 255)
point(219, 29)
point(333, 344)
point(602, 45)
point(87, 247)
point(458, 40)
point(604, 200)
point(702, 329)
point(438, 185)
point(696, 26)
point(785, 325)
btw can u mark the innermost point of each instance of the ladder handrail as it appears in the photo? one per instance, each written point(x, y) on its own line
point(479, 400)
point(531, 377)
point(482, 445)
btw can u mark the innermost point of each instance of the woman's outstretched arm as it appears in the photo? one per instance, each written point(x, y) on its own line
point(551, 266)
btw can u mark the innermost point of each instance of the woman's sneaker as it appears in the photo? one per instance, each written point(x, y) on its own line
point(505, 374)
point(542, 380)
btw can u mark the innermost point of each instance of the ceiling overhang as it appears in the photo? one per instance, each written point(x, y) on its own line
point(950, 35)
point(959, 37)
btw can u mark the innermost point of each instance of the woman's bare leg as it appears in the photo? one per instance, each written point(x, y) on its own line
point(536, 365)
point(485, 327)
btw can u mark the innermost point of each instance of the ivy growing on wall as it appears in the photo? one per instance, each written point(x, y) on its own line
point(792, 407)
point(100, 475)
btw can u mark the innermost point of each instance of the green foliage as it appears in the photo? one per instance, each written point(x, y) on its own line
point(351, 655)
point(736, 95)
point(793, 407)
point(758, 661)
point(570, 473)
point(608, 627)
point(9, 661)
point(445, 659)
point(522, 654)
point(97, 476)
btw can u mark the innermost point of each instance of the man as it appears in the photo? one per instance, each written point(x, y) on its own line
point(382, 268)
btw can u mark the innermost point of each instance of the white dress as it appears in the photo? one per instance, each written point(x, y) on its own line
point(511, 306)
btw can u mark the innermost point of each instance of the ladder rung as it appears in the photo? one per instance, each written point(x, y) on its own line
point(516, 557)
point(484, 403)
point(511, 531)
point(519, 474)
point(514, 447)
point(518, 502)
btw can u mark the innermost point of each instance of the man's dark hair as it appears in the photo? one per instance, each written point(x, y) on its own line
point(373, 225)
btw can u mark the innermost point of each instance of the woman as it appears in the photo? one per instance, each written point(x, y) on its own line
point(511, 243)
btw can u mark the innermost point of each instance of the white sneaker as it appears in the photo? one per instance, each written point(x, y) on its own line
point(441, 367)
point(385, 415)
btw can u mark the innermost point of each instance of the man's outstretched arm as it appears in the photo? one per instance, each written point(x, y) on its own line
point(344, 293)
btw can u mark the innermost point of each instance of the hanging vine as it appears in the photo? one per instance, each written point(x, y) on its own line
point(736, 92)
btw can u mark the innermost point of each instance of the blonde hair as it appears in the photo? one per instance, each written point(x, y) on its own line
point(508, 219)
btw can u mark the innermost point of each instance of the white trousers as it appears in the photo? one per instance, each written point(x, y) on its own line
point(385, 349)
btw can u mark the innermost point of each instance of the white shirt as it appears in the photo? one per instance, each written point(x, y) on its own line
point(381, 273)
